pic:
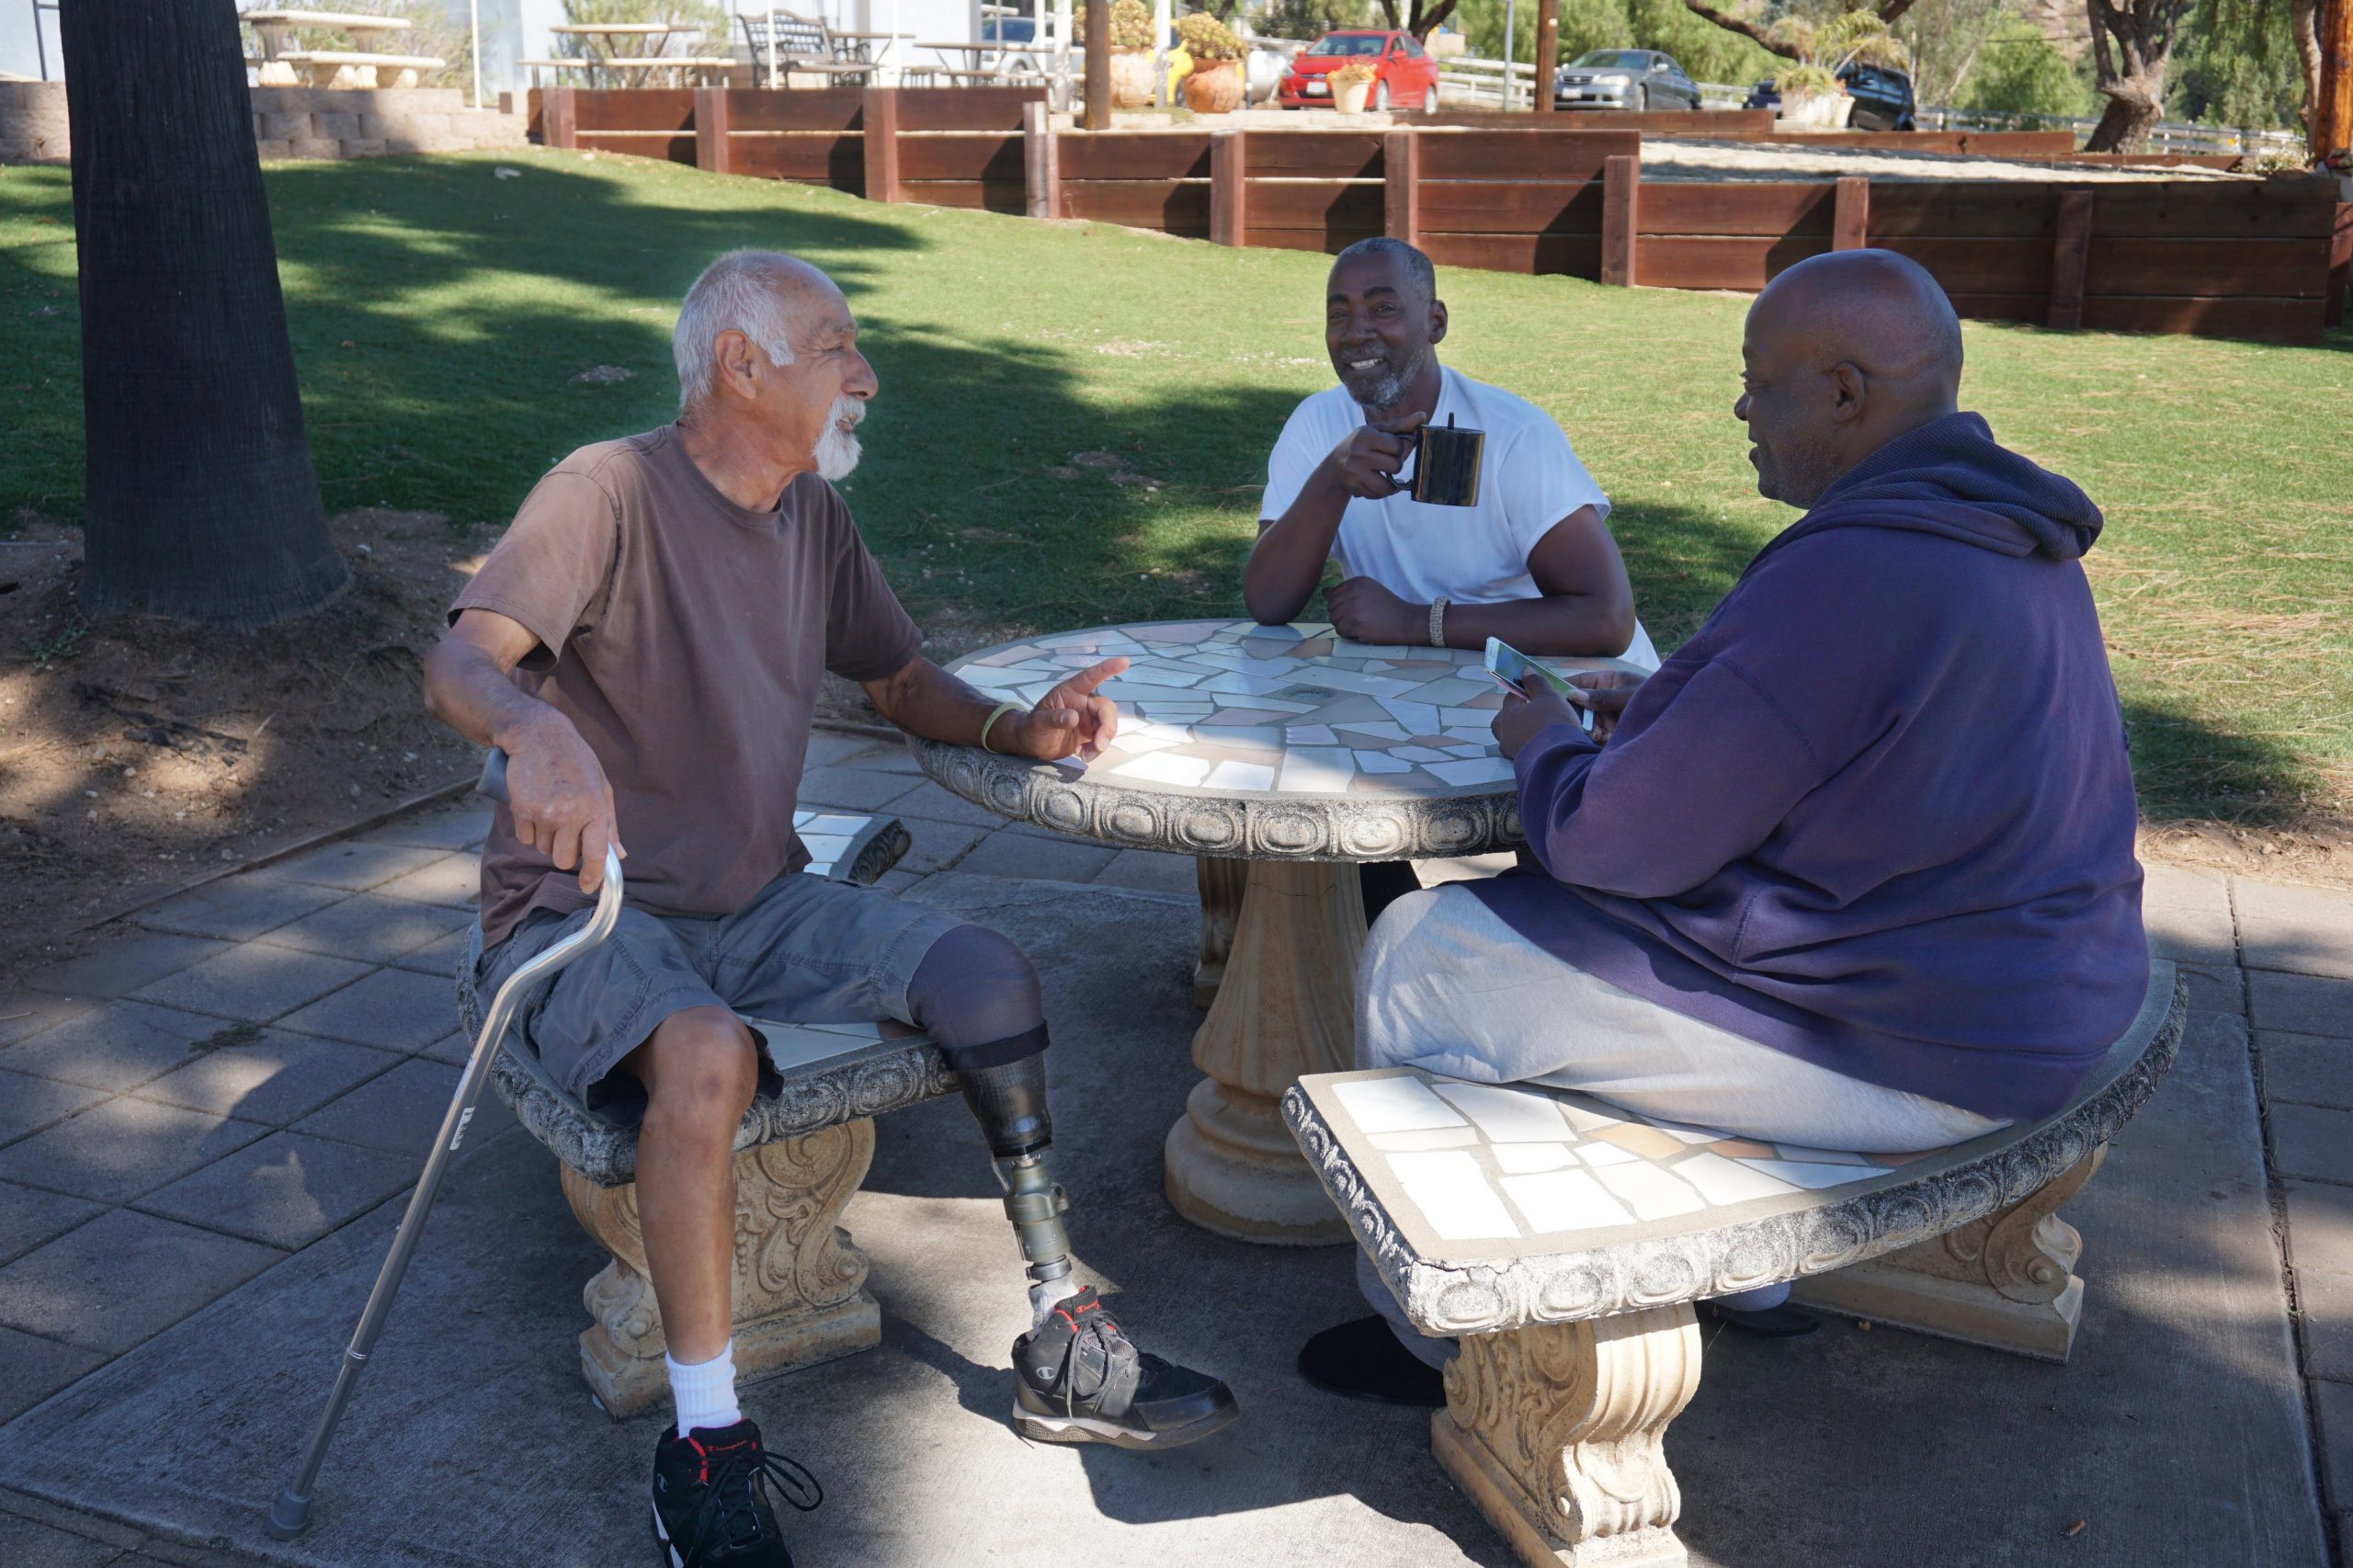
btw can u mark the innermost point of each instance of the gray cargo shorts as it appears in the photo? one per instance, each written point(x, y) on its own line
point(805, 950)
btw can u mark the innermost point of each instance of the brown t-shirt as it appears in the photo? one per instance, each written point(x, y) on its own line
point(683, 634)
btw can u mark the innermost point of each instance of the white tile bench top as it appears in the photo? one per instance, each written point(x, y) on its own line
point(1490, 1207)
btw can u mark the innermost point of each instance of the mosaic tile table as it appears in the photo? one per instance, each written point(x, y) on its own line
point(1563, 1241)
point(1290, 748)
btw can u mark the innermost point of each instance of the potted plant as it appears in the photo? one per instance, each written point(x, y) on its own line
point(1214, 85)
point(1351, 83)
point(1811, 94)
point(1130, 51)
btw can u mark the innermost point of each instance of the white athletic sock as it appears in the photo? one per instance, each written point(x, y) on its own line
point(705, 1393)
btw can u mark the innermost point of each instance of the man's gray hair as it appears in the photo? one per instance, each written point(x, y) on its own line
point(1416, 265)
point(736, 293)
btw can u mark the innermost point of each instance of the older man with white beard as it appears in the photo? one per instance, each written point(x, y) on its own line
point(645, 644)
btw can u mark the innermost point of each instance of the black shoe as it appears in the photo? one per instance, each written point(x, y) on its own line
point(1078, 1379)
point(711, 1491)
point(1766, 1322)
point(1364, 1360)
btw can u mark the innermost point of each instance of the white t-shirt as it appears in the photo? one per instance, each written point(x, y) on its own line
point(1530, 479)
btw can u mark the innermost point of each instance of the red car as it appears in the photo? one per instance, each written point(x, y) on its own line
point(1407, 79)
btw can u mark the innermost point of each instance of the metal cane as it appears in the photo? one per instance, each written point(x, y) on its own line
point(291, 1512)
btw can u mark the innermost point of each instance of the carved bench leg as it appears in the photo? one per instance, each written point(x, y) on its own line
point(1221, 882)
point(1555, 1432)
point(800, 1282)
point(2006, 1281)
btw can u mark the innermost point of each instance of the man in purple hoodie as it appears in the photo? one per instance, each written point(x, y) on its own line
point(1854, 870)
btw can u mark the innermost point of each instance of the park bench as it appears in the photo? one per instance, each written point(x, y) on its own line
point(356, 68)
point(785, 44)
point(802, 1152)
point(1563, 1243)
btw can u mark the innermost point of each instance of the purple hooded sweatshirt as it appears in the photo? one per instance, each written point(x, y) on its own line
point(1878, 814)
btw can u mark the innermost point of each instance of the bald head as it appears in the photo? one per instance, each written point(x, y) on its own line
point(1843, 353)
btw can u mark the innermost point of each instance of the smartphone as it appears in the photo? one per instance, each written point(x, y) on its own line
point(1516, 673)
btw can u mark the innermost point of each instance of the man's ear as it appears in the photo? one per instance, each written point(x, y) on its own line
point(1438, 321)
point(731, 352)
point(1847, 390)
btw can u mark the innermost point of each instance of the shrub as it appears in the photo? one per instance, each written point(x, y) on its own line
point(1205, 38)
point(1131, 24)
point(1806, 82)
point(1348, 76)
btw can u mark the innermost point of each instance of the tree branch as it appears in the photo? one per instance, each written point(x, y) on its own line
point(1749, 30)
point(1436, 19)
point(1891, 9)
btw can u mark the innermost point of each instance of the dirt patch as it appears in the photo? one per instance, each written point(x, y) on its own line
point(2318, 852)
point(137, 753)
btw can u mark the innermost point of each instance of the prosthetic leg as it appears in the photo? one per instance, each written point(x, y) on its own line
point(1078, 1377)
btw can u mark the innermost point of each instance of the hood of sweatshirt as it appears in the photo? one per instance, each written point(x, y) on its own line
point(1950, 478)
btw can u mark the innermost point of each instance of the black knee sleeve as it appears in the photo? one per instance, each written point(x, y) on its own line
point(978, 997)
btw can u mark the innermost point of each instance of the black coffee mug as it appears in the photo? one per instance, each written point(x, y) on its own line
point(1446, 459)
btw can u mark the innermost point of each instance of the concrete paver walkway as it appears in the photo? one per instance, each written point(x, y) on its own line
point(201, 1124)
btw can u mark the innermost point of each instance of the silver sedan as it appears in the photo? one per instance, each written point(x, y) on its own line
point(1635, 79)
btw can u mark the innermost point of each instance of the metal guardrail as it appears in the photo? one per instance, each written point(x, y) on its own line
point(1469, 83)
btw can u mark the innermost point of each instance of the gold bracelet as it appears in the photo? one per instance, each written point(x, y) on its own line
point(999, 712)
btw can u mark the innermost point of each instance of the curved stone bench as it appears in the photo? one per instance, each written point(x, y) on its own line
point(1564, 1242)
point(803, 1147)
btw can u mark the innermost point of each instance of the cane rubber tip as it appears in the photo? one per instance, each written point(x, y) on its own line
point(288, 1517)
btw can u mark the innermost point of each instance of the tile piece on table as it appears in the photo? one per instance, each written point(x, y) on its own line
point(1596, 1152)
point(1433, 1138)
point(1417, 754)
point(1158, 767)
point(1636, 1139)
point(1310, 771)
point(1806, 1156)
point(114, 1046)
point(72, 1289)
point(287, 1190)
point(1813, 1177)
point(1241, 776)
point(1381, 762)
point(1506, 1115)
point(114, 1152)
point(1652, 1192)
point(1395, 1105)
point(1452, 1193)
point(1723, 1181)
point(1588, 1115)
point(1565, 1200)
point(1414, 718)
point(1527, 1159)
point(1240, 737)
point(1309, 736)
point(1473, 770)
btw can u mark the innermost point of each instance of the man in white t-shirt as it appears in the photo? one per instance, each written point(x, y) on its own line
point(1532, 562)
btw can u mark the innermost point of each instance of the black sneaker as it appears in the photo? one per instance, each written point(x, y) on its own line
point(1363, 1360)
point(712, 1490)
point(1079, 1379)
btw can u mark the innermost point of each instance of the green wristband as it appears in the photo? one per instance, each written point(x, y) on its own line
point(999, 712)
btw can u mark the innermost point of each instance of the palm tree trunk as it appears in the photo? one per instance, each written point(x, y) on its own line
point(199, 499)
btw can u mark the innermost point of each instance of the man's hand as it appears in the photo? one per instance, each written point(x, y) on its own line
point(1366, 463)
point(1521, 719)
point(1364, 611)
point(1603, 694)
point(562, 804)
point(1072, 720)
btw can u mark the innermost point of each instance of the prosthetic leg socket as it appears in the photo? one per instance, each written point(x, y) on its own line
point(1009, 1102)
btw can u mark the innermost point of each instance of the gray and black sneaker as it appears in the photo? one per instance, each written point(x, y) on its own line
point(713, 1498)
point(1078, 1379)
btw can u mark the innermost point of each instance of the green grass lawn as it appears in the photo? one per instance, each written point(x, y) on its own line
point(438, 313)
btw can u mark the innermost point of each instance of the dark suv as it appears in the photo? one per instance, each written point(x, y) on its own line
point(1882, 99)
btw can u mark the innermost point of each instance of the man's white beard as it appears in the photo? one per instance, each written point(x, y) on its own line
point(837, 449)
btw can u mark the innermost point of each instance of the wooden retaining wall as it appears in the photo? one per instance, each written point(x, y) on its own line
point(2263, 260)
point(958, 147)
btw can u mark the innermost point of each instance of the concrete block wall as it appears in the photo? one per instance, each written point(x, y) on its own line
point(293, 122)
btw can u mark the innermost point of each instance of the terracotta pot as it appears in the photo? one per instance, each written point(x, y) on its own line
point(1351, 98)
point(1214, 87)
point(1132, 78)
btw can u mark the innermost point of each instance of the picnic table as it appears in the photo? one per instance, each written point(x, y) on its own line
point(281, 65)
point(985, 61)
point(604, 58)
point(1302, 755)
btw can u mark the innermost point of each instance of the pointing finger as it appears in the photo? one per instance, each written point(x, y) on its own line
point(1087, 681)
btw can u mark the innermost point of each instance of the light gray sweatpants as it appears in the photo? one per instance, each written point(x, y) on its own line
point(1446, 986)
